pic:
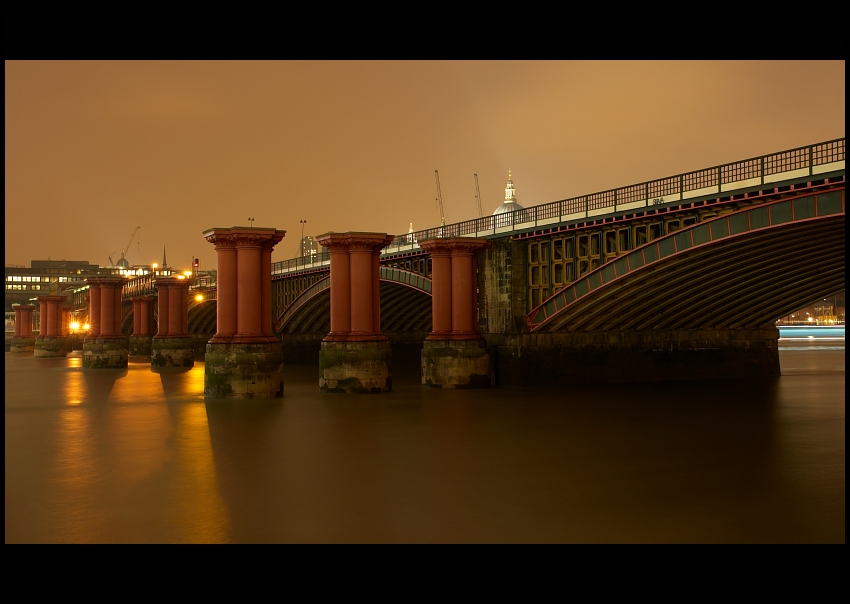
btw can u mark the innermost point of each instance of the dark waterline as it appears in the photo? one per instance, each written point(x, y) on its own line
point(135, 457)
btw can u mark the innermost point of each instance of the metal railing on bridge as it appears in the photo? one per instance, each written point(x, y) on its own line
point(811, 160)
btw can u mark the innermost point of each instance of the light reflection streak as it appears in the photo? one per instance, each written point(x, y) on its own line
point(76, 476)
point(203, 514)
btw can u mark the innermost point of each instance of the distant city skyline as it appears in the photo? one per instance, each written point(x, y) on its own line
point(95, 149)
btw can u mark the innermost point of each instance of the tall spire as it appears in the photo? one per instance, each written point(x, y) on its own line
point(510, 192)
point(163, 257)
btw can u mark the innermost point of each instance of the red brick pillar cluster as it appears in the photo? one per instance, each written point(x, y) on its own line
point(355, 285)
point(454, 354)
point(454, 287)
point(52, 313)
point(23, 321)
point(173, 307)
point(244, 358)
point(243, 283)
point(143, 316)
point(355, 355)
point(23, 340)
point(105, 313)
point(105, 347)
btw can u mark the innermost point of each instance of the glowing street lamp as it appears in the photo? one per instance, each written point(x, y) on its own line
point(199, 297)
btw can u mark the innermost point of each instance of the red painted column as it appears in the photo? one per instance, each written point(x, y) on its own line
point(26, 325)
point(94, 310)
point(376, 291)
point(225, 285)
point(462, 292)
point(340, 290)
point(18, 319)
point(51, 318)
point(249, 282)
point(441, 288)
point(137, 317)
point(266, 293)
point(184, 307)
point(107, 309)
point(119, 309)
point(175, 314)
point(362, 289)
point(163, 308)
point(42, 317)
point(66, 321)
point(144, 316)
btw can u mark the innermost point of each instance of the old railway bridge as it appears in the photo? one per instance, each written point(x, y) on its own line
point(677, 278)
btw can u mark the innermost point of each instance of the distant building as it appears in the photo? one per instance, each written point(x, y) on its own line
point(509, 205)
point(309, 247)
point(49, 277)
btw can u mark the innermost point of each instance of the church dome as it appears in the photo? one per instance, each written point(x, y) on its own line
point(510, 204)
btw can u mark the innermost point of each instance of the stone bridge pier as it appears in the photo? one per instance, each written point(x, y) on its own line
point(105, 347)
point(23, 340)
point(172, 346)
point(454, 354)
point(244, 358)
point(355, 355)
point(52, 339)
point(144, 326)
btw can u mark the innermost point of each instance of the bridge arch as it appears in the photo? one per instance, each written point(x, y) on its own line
point(405, 305)
point(740, 271)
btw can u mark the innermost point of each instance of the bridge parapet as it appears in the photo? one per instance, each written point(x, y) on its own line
point(819, 161)
point(692, 291)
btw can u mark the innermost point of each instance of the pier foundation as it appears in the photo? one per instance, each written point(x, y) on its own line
point(243, 359)
point(355, 355)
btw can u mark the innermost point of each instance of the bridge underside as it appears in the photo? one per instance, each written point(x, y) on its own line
point(697, 304)
point(405, 319)
point(738, 283)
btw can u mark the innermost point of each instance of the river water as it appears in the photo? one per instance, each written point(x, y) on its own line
point(137, 457)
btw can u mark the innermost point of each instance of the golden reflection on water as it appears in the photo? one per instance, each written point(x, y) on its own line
point(203, 515)
point(126, 433)
point(76, 475)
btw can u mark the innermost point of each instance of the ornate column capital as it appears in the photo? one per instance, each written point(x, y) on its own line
point(236, 237)
point(456, 246)
point(354, 242)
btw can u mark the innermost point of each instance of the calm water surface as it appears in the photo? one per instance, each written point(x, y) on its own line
point(137, 457)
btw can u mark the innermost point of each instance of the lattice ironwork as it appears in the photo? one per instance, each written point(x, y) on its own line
point(742, 170)
point(665, 186)
point(600, 200)
point(827, 153)
point(787, 161)
point(699, 180)
point(631, 194)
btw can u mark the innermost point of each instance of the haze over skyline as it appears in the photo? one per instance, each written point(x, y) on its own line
point(94, 149)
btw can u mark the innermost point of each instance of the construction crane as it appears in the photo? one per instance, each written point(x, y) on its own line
point(121, 262)
point(440, 200)
point(478, 197)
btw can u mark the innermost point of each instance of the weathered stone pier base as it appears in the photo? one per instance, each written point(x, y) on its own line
point(243, 370)
point(635, 356)
point(355, 367)
point(49, 347)
point(140, 346)
point(22, 344)
point(172, 353)
point(105, 352)
point(455, 364)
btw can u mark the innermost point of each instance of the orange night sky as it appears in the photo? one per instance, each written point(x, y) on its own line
point(94, 149)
